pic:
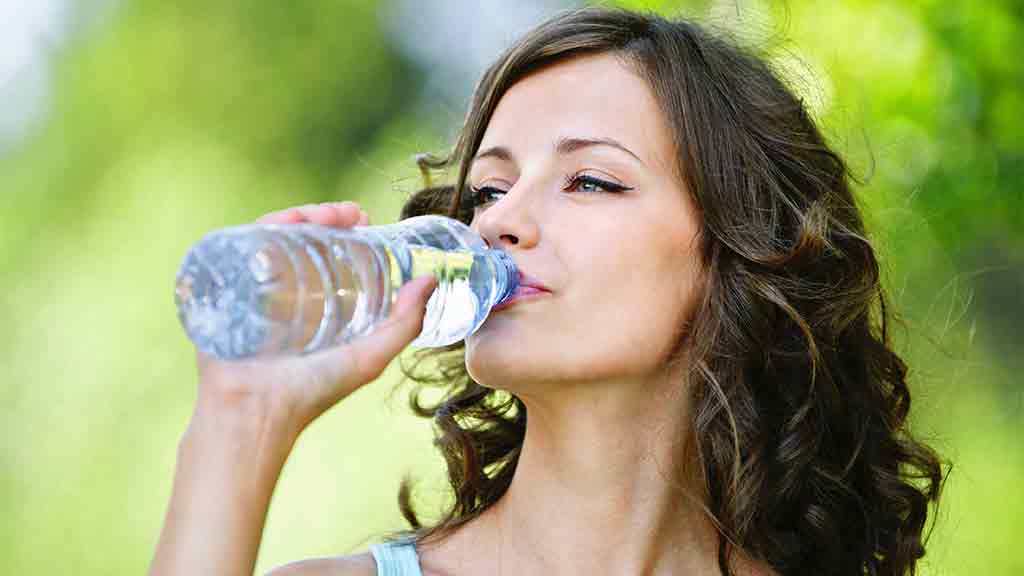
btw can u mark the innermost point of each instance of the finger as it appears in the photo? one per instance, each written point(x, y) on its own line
point(364, 218)
point(286, 216)
point(367, 357)
point(336, 214)
point(322, 214)
point(343, 214)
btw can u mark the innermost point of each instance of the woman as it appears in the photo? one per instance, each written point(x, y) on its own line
point(703, 386)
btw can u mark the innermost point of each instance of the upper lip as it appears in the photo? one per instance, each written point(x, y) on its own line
point(527, 280)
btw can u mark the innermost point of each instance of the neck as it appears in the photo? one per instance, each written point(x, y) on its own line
point(599, 486)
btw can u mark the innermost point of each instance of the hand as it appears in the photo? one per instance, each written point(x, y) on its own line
point(294, 390)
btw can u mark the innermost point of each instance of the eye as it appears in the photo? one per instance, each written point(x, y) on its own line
point(484, 195)
point(574, 183)
point(590, 184)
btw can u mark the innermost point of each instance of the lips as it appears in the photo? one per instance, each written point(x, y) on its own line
point(528, 289)
point(527, 281)
point(524, 290)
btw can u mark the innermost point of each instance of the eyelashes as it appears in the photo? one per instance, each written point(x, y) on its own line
point(574, 183)
point(579, 181)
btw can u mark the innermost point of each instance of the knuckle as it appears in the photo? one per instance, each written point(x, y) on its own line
point(308, 211)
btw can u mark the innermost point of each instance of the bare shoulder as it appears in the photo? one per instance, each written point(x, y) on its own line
point(352, 565)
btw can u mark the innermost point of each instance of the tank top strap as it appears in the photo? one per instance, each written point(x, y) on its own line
point(396, 558)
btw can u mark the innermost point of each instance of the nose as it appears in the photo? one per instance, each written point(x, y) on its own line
point(510, 221)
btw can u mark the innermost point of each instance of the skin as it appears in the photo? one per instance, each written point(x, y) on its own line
point(602, 485)
point(593, 491)
point(246, 419)
point(621, 266)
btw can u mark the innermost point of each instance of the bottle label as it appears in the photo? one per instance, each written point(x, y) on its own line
point(446, 265)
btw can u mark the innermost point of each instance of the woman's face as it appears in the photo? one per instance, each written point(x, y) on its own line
point(576, 173)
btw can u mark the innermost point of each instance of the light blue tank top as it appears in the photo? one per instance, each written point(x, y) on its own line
point(396, 558)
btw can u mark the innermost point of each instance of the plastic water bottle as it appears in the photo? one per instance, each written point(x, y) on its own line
point(269, 289)
point(429, 230)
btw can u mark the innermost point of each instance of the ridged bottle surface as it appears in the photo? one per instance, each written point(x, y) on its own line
point(429, 230)
point(260, 290)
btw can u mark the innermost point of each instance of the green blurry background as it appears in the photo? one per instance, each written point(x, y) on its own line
point(129, 129)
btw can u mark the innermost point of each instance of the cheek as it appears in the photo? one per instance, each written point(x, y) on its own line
point(632, 311)
point(639, 325)
point(622, 316)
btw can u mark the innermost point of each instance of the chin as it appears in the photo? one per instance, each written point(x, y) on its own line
point(489, 367)
point(494, 364)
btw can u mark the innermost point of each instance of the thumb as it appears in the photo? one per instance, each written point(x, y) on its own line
point(374, 351)
point(406, 319)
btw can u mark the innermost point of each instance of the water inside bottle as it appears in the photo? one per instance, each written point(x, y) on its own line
point(260, 293)
point(454, 309)
point(253, 291)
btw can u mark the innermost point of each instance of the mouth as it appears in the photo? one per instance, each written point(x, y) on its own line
point(522, 294)
point(525, 280)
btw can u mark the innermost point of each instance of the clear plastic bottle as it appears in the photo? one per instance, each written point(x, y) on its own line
point(430, 230)
point(269, 289)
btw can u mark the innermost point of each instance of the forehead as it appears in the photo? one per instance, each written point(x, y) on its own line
point(585, 96)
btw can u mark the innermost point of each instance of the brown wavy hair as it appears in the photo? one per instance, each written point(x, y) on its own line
point(799, 418)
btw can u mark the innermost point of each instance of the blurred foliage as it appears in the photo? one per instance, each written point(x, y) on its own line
point(169, 119)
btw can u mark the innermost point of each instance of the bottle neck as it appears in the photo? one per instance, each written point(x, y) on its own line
point(506, 268)
point(409, 261)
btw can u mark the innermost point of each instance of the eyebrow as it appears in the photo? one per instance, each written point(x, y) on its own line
point(564, 146)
